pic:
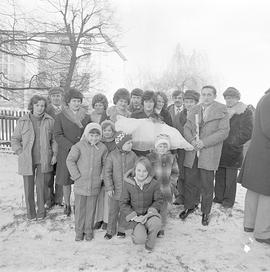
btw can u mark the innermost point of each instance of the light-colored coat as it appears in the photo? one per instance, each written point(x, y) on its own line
point(85, 163)
point(213, 131)
point(22, 143)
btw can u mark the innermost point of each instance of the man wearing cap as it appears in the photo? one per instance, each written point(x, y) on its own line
point(55, 107)
point(241, 124)
point(191, 98)
point(56, 95)
point(206, 128)
point(135, 100)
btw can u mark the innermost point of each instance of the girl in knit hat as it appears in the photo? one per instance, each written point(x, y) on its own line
point(166, 172)
point(85, 163)
point(102, 212)
point(119, 161)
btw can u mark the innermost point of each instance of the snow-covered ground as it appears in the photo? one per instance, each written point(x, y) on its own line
point(187, 246)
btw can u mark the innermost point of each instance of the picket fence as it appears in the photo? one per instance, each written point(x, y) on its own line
point(8, 121)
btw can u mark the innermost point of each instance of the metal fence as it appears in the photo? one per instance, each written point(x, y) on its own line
point(8, 121)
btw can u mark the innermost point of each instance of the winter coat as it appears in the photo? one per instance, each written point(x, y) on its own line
point(85, 163)
point(22, 143)
point(255, 172)
point(136, 202)
point(213, 131)
point(165, 171)
point(51, 111)
point(241, 124)
point(166, 117)
point(109, 143)
point(117, 164)
point(173, 115)
point(180, 121)
point(66, 135)
point(140, 114)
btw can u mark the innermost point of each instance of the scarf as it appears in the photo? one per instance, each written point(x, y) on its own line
point(75, 118)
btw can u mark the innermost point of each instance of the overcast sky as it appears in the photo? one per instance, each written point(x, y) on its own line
point(234, 35)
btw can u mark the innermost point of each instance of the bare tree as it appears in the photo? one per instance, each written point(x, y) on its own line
point(73, 31)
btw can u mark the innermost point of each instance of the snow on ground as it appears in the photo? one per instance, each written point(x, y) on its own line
point(187, 246)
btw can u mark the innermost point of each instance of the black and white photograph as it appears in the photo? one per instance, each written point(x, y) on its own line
point(134, 135)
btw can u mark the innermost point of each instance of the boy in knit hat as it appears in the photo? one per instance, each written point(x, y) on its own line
point(118, 162)
point(166, 172)
point(85, 163)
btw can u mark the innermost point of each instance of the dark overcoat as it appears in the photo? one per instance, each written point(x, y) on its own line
point(241, 124)
point(255, 172)
point(66, 134)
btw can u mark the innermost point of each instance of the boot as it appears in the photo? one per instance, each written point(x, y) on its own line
point(205, 219)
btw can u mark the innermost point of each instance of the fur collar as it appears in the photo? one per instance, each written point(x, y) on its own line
point(238, 108)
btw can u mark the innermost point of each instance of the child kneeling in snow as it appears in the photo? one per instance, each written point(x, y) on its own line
point(140, 203)
point(165, 170)
point(85, 162)
point(118, 162)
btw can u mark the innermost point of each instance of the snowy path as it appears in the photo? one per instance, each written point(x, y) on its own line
point(187, 246)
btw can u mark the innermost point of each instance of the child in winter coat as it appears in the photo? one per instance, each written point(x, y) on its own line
point(140, 203)
point(85, 162)
point(102, 212)
point(118, 162)
point(166, 172)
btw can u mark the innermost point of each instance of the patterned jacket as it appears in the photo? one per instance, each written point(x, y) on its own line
point(166, 172)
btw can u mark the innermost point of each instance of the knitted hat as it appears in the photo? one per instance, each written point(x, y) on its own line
point(137, 92)
point(89, 128)
point(162, 139)
point(191, 94)
point(121, 138)
point(56, 90)
point(231, 91)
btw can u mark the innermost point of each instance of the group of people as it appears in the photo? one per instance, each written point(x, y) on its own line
point(117, 187)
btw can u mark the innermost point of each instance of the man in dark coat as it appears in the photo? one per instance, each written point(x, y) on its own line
point(56, 95)
point(241, 124)
point(255, 174)
point(191, 98)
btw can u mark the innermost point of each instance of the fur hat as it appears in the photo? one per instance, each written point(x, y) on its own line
point(191, 94)
point(121, 94)
point(162, 139)
point(231, 91)
point(56, 90)
point(121, 138)
point(73, 93)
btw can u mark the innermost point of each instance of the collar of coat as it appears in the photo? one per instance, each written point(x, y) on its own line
point(238, 108)
point(129, 178)
point(26, 117)
point(217, 111)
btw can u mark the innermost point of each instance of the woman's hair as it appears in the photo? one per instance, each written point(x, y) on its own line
point(146, 163)
point(149, 95)
point(34, 100)
point(121, 94)
point(165, 98)
point(73, 93)
point(100, 98)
